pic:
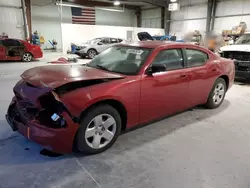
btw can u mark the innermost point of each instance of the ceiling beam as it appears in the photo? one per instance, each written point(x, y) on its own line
point(93, 3)
point(160, 3)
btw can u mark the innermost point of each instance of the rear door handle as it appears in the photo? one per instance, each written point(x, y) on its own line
point(183, 75)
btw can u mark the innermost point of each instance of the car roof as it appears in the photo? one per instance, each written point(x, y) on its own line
point(11, 39)
point(155, 44)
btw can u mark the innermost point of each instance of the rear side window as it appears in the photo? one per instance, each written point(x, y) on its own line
point(196, 57)
point(112, 40)
point(171, 58)
point(11, 42)
point(1, 42)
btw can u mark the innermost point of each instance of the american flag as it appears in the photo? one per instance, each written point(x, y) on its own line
point(83, 15)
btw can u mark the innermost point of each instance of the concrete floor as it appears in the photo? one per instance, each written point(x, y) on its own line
point(199, 148)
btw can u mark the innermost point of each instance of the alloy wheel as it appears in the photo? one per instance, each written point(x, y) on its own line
point(27, 57)
point(92, 54)
point(100, 131)
point(219, 92)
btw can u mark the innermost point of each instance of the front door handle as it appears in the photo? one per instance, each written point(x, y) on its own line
point(183, 75)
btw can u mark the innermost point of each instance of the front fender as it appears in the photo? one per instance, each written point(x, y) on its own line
point(77, 102)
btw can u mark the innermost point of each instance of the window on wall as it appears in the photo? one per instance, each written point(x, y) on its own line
point(172, 59)
point(196, 57)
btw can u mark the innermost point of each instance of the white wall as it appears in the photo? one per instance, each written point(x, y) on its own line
point(126, 18)
point(11, 19)
point(231, 7)
point(79, 33)
point(151, 18)
point(46, 20)
point(190, 9)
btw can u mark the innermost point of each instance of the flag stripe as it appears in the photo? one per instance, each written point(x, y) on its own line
point(91, 11)
point(83, 17)
point(84, 20)
point(87, 14)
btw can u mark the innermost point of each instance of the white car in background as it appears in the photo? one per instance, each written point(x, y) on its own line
point(240, 52)
point(96, 46)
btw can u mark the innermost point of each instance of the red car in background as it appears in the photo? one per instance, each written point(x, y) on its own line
point(16, 50)
point(87, 106)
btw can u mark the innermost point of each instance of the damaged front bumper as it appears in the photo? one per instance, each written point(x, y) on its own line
point(36, 124)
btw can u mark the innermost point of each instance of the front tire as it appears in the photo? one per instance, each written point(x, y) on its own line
point(99, 129)
point(217, 94)
point(27, 57)
point(92, 53)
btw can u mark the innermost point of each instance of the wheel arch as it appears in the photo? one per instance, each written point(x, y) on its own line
point(226, 78)
point(115, 104)
point(28, 51)
point(92, 49)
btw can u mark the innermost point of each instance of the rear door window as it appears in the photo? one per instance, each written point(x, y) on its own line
point(196, 57)
point(11, 42)
point(106, 41)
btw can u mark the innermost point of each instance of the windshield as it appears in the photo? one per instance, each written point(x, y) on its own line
point(244, 39)
point(93, 41)
point(121, 59)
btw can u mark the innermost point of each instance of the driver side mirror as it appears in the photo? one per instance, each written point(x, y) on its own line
point(100, 43)
point(156, 68)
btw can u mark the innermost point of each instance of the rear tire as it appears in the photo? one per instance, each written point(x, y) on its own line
point(98, 130)
point(217, 94)
point(27, 57)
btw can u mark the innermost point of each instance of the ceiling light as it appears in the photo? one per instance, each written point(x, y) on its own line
point(117, 3)
point(173, 1)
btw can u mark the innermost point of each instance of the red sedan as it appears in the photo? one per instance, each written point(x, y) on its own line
point(87, 106)
point(16, 50)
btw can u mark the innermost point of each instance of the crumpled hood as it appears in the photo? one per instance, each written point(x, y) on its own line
point(54, 76)
point(236, 47)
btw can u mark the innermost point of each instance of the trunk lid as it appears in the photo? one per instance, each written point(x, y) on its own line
point(144, 36)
